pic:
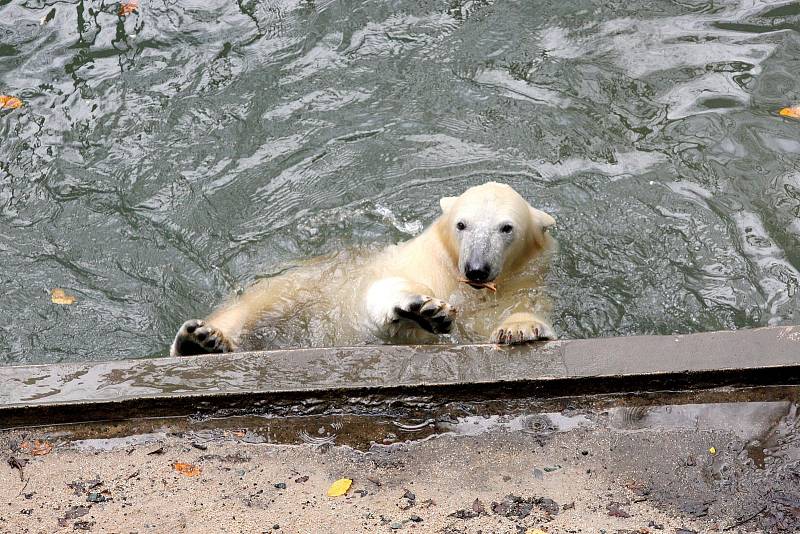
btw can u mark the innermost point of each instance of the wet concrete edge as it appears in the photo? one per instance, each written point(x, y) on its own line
point(299, 381)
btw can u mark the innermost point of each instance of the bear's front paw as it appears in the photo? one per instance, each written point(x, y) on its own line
point(431, 314)
point(515, 331)
point(195, 337)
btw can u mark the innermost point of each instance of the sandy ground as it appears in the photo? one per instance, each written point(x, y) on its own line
point(581, 481)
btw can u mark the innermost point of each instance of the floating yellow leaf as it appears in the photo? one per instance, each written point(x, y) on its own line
point(10, 102)
point(712, 451)
point(339, 487)
point(189, 470)
point(126, 8)
point(59, 296)
point(793, 112)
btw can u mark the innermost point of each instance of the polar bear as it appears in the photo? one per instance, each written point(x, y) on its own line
point(476, 274)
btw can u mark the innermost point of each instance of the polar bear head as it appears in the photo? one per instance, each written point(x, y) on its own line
point(491, 229)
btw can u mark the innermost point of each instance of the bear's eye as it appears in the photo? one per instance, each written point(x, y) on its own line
point(460, 225)
point(506, 228)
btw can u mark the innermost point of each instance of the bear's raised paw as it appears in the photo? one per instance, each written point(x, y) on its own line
point(196, 337)
point(431, 314)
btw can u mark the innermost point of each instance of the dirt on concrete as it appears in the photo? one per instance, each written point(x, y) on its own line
point(589, 479)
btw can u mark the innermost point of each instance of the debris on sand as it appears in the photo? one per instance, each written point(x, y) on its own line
point(73, 513)
point(98, 496)
point(16, 463)
point(407, 500)
point(464, 514)
point(521, 507)
point(36, 447)
point(615, 510)
point(189, 470)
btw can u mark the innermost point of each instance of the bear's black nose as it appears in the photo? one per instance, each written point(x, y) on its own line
point(477, 274)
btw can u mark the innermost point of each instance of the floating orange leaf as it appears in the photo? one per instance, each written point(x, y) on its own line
point(793, 112)
point(36, 448)
point(59, 296)
point(339, 487)
point(189, 470)
point(126, 8)
point(10, 102)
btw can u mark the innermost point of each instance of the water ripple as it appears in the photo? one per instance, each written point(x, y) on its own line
point(164, 159)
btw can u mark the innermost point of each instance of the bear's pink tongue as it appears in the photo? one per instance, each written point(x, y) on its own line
point(491, 286)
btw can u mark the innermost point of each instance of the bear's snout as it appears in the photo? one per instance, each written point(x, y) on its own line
point(478, 273)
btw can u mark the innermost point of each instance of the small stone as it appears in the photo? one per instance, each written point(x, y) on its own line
point(404, 504)
point(276, 527)
point(614, 510)
point(396, 526)
point(280, 485)
point(201, 446)
point(415, 518)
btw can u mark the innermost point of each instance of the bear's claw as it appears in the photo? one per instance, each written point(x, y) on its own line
point(431, 314)
point(513, 332)
point(195, 337)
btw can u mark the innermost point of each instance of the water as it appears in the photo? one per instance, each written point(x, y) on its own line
point(165, 159)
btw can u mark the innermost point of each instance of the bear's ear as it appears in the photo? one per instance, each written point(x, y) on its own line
point(446, 203)
point(541, 219)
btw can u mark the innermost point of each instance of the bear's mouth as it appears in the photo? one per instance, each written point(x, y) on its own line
point(491, 286)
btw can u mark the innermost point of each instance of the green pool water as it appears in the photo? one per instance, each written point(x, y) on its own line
point(164, 159)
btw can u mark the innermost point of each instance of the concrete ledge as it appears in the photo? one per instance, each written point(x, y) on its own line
point(300, 381)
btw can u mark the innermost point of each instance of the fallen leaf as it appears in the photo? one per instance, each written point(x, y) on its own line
point(535, 531)
point(712, 451)
point(339, 487)
point(793, 112)
point(10, 102)
point(36, 448)
point(189, 470)
point(126, 8)
point(47, 18)
point(59, 296)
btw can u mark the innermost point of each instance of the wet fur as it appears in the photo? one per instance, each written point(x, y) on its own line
point(408, 292)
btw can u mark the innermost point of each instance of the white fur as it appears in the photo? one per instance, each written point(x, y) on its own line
point(353, 296)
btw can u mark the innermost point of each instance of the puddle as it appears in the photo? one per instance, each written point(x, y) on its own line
point(764, 420)
point(110, 444)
